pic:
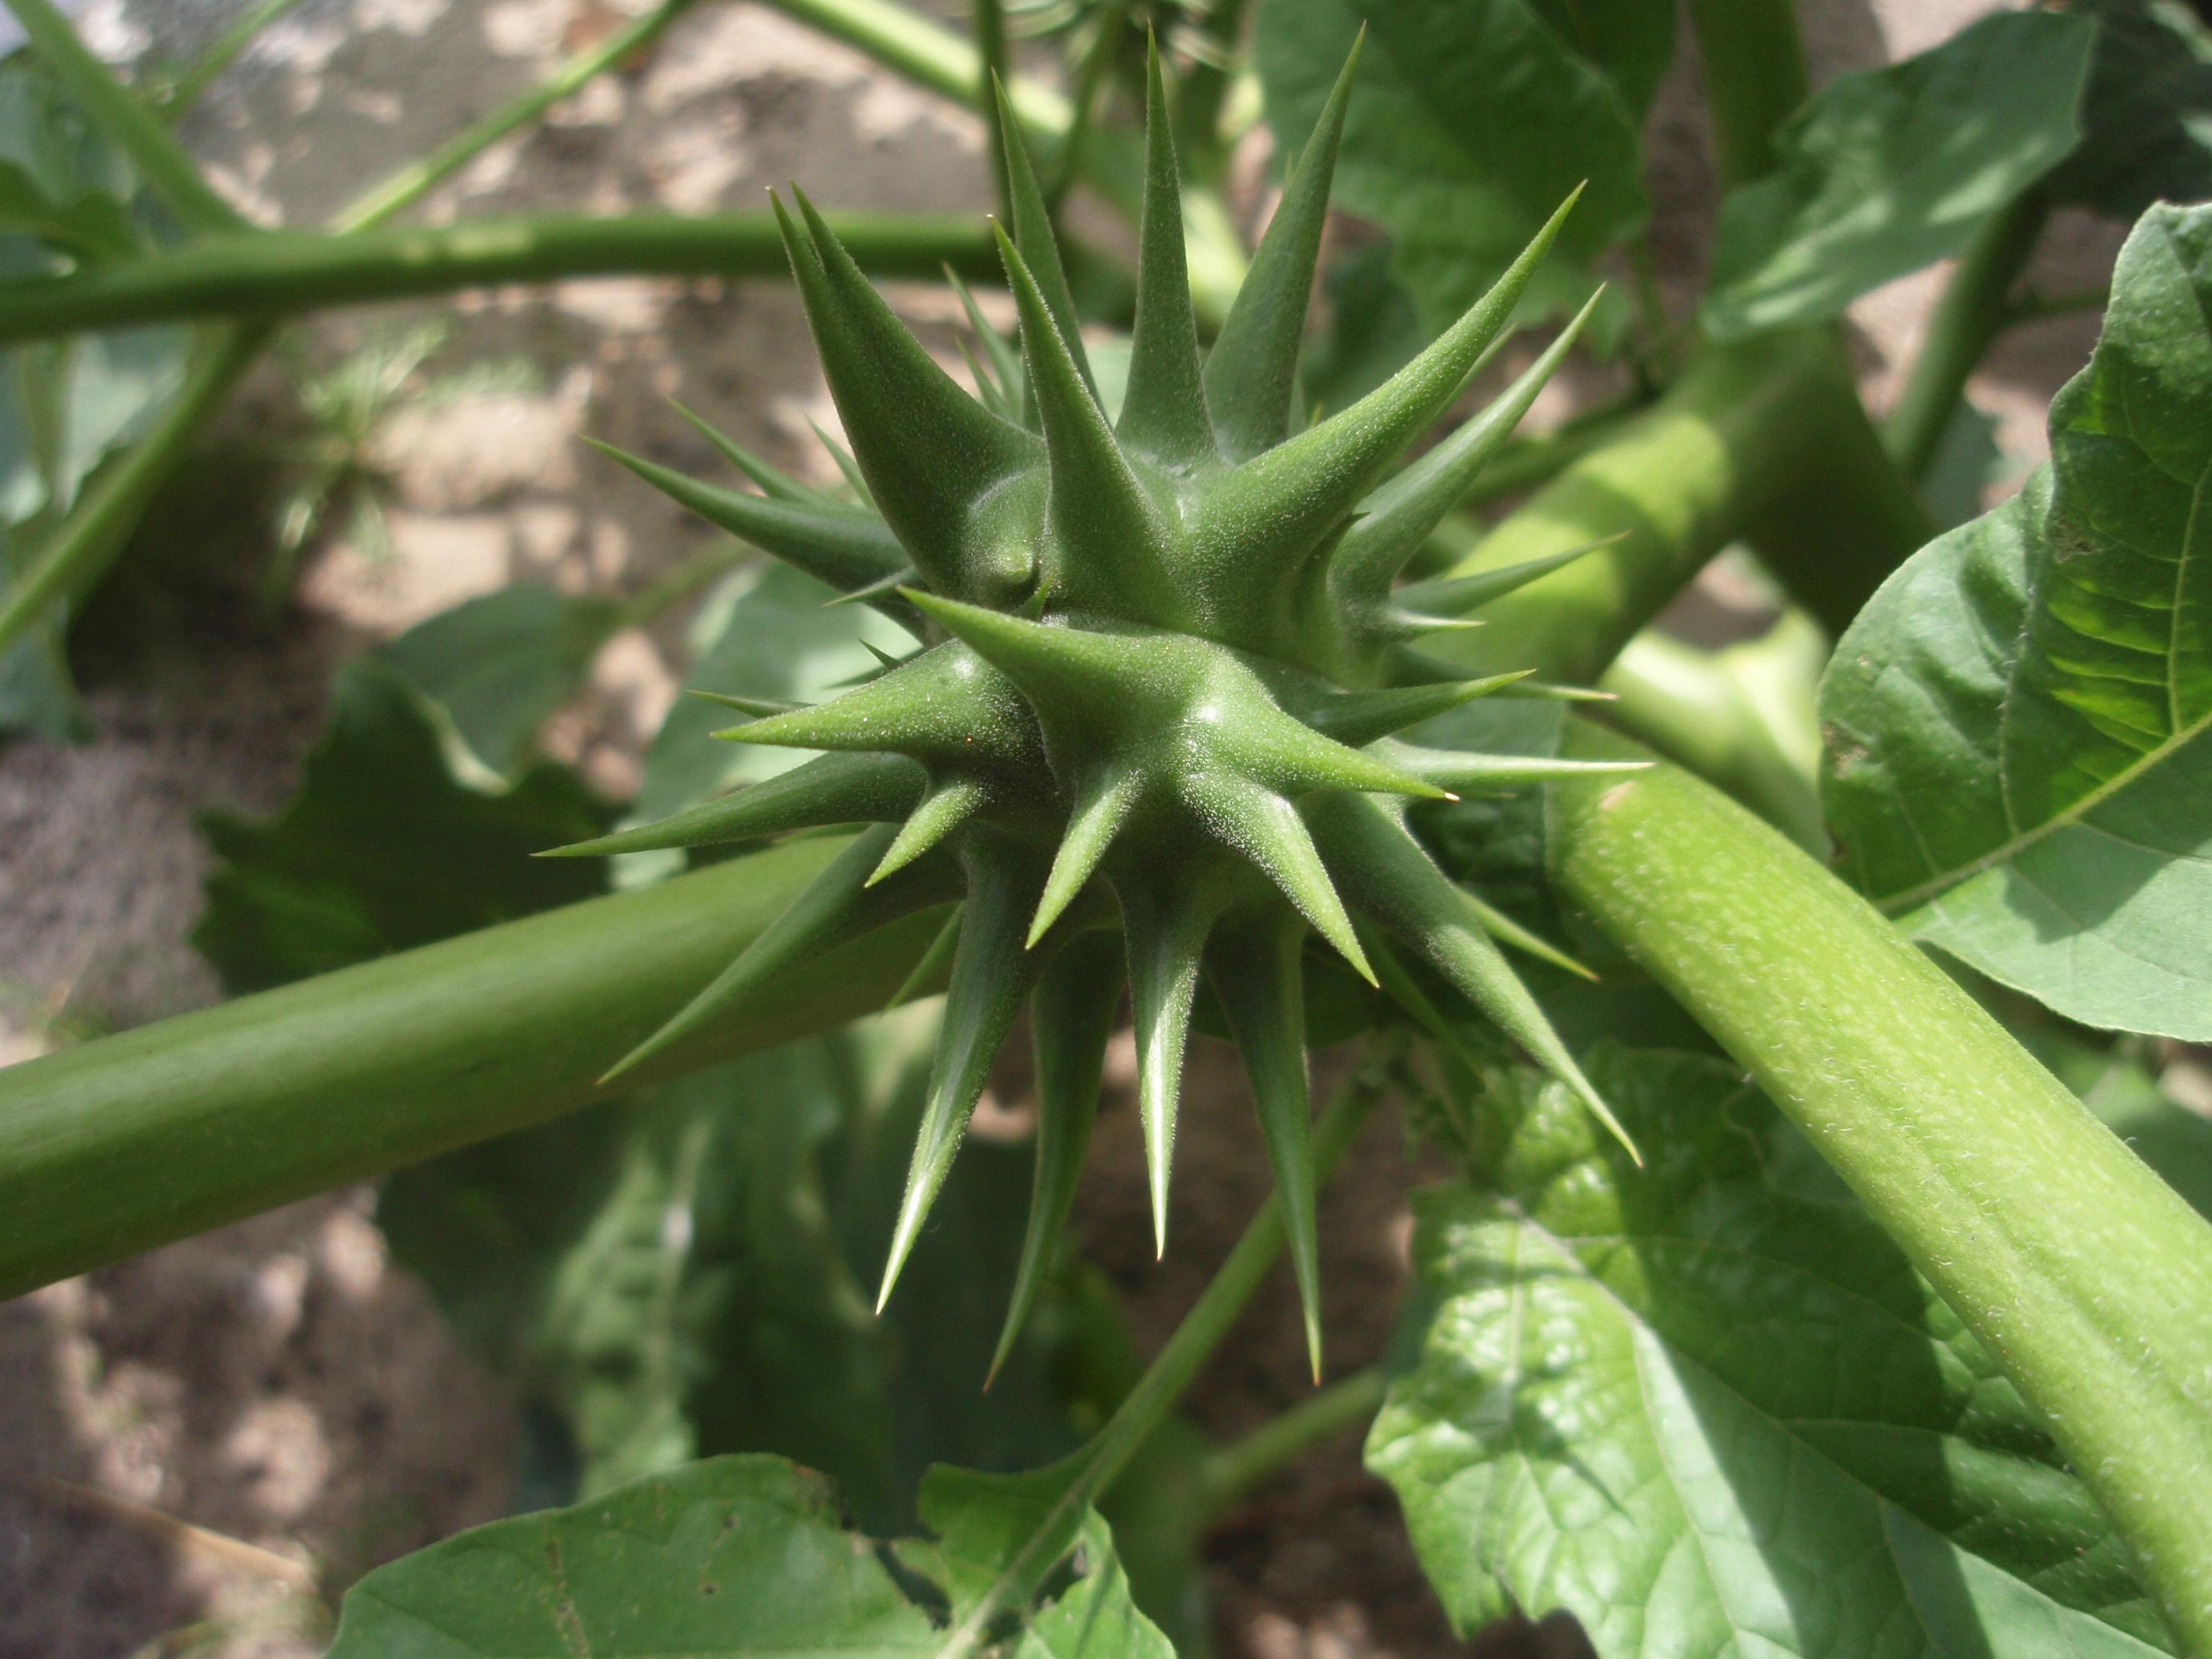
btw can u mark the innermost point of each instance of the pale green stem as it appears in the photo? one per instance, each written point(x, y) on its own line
point(415, 179)
point(1147, 1404)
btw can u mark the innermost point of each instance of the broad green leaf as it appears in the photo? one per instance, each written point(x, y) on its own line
point(736, 1557)
point(499, 666)
point(383, 849)
point(2146, 115)
point(768, 632)
point(1890, 169)
point(1463, 180)
point(1712, 1411)
point(2020, 723)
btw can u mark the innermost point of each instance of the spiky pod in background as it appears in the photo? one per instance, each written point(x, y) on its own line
point(1156, 691)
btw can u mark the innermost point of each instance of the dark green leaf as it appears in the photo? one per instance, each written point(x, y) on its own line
point(382, 848)
point(1461, 181)
point(1632, 40)
point(1966, 464)
point(2020, 723)
point(2146, 116)
point(498, 666)
point(1710, 1410)
point(680, 1274)
point(1888, 170)
point(61, 181)
point(737, 1557)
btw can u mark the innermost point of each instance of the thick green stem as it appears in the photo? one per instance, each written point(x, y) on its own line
point(415, 180)
point(1764, 439)
point(168, 172)
point(1234, 1469)
point(2084, 1274)
point(1970, 316)
point(277, 273)
point(86, 543)
point(1755, 77)
point(165, 1130)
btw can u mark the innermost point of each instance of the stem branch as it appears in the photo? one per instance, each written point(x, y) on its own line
point(278, 273)
point(1233, 1470)
point(415, 179)
point(1970, 316)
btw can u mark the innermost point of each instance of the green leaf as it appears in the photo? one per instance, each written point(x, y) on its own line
point(2020, 723)
point(61, 181)
point(382, 848)
point(1632, 40)
point(499, 665)
point(737, 1557)
point(768, 632)
point(1889, 169)
point(1462, 182)
point(681, 1274)
point(2146, 115)
point(1710, 1410)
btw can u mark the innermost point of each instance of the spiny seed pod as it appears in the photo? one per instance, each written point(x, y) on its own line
point(1156, 692)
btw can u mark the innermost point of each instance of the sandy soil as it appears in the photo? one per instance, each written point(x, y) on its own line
point(274, 1382)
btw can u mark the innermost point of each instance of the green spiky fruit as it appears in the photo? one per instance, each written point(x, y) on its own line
point(1158, 677)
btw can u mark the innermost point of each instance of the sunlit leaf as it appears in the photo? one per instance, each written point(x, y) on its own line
point(2020, 723)
point(1710, 1409)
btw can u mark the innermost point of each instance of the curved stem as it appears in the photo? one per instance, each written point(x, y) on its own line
point(1970, 316)
point(162, 161)
point(1763, 439)
point(2088, 1278)
point(86, 543)
point(277, 273)
point(415, 179)
point(176, 1127)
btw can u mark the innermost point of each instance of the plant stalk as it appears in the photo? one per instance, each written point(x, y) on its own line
point(162, 163)
point(1762, 439)
point(1755, 78)
point(1974, 310)
point(281, 273)
point(162, 1132)
point(2085, 1275)
point(228, 48)
point(418, 178)
point(1147, 1405)
point(88, 539)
